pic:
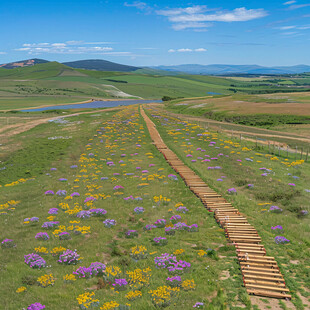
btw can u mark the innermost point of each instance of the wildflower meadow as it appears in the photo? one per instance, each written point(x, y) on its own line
point(110, 225)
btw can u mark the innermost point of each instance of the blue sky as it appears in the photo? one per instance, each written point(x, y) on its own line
point(140, 33)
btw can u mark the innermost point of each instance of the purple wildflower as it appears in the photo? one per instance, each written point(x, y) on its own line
point(42, 236)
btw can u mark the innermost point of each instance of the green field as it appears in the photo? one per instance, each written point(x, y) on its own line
point(55, 83)
point(92, 141)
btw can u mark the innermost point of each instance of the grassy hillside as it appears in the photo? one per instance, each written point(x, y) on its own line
point(53, 83)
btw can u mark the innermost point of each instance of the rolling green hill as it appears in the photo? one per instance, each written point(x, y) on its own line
point(54, 83)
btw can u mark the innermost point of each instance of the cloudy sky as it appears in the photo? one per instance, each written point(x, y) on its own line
point(157, 32)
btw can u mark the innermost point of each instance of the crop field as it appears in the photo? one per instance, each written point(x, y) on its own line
point(93, 216)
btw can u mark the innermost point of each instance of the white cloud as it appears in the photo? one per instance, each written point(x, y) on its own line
point(297, 6)
point(286, 27)
point(289, 2)
point(142, 6)
point(2, 53)
point(294, 27)
point(59, 44)
point(200, 50)
point(196, 17)
point(73, 47)
point(290, 33)
point(69, 47)
point(187, 50)
point(86, 43)
point(178, 11)
point(191, 25)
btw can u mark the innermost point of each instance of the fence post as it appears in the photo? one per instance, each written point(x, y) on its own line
point(307, 154)
point(302, 149)
point(268, 147)
point(296, 152)
point(287, 151)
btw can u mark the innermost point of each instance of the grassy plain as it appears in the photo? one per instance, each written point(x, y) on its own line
point(218, 278)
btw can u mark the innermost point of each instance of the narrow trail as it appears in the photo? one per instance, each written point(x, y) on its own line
point(19, 128)
point(261, 274)
point(269, 133)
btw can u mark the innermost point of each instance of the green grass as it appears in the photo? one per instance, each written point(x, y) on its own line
point(106, 245)
point(37, 155)
point(270, 190)
point(57, 80)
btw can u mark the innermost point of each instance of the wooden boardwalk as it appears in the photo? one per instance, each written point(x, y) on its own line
point(261, 274)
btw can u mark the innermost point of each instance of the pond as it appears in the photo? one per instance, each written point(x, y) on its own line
point(92, 105)
point(213, 93)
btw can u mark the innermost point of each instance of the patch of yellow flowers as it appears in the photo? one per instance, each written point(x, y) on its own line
point(139, 277)
point(178, 252)
point(132, 295)
point(57, 250)
point(41, 250)
point(109, 305)
point(21, 289)
point(87, 300)
point(162, 295)
point(46, 280)
point(188, 285)
point(69, 278)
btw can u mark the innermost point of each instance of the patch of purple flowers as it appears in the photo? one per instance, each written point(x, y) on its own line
point(35, 261)
point(275, 209)
point(281, 240)
point(49, 192)
point(50, 224)
point(98, 212)
point(43, 236)
point(84, 214)
point(61, 192)
point(69, 257)
point(160, 223)
point(53, 211)
point(120, 284)
point(182, 209)
point(174, 281)
point(160, 241)
point(36, 306)
point(138, 210)
point(7, 243)
point(278, 227)
point(109, 223)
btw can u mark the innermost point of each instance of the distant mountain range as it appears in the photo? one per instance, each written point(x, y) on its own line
point(89, 64)
point(216, 69)
point(234, 69)
point(100, 65)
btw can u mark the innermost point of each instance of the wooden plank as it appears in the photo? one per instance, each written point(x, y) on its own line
point(268, 293)
point(271, 288)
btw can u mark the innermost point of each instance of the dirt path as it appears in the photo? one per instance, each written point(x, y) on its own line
point(19, 128)
point(269, 133)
